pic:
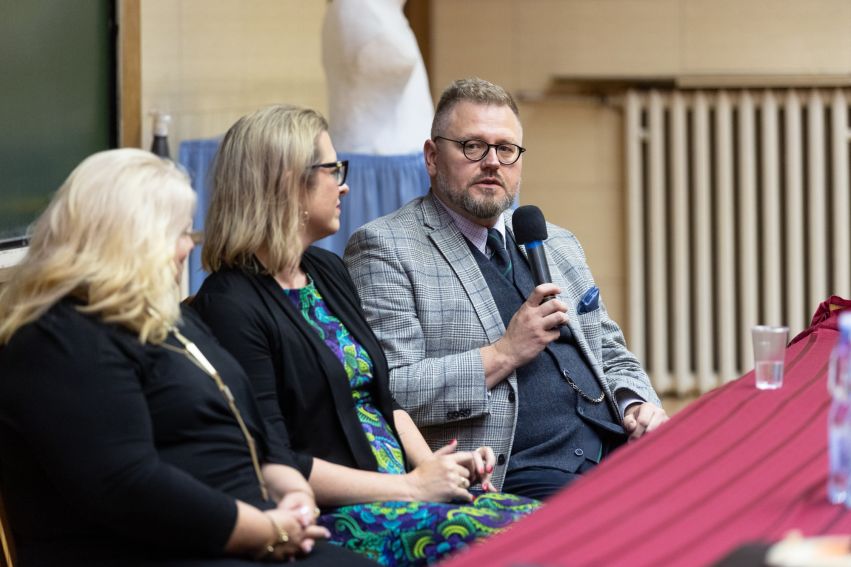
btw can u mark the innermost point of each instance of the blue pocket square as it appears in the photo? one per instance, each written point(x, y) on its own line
point(590, 301)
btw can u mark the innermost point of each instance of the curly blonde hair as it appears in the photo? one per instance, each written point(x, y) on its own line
point(108, 236)
point(261, 179)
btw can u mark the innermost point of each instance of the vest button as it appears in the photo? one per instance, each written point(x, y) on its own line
point(511, 396)
point(578, 452)
point(500, 460)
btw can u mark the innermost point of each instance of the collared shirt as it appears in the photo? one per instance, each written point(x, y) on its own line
point(475, 233)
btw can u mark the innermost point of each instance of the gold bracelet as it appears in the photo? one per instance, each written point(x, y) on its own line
point(281, 536)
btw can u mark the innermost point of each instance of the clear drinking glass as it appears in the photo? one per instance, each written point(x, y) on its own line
point(769, 348)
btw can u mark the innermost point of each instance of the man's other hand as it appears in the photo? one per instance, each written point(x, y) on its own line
point(640, 418)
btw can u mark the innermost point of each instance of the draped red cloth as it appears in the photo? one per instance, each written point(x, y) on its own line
point(738, 465)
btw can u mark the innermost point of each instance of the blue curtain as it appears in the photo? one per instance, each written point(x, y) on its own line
point(379, 185)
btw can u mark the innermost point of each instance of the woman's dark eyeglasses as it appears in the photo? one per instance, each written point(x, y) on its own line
point(476, 150)
point(339, 169)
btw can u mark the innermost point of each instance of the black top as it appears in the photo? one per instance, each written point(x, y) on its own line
point(302, 387)
point(111, 450)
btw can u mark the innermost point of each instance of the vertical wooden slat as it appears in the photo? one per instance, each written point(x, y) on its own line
point(656, 232)
point(794, 222)
point(681, 280)
point(725, 239)
point(747, 221)
point(770, 214)
point(635, 227)
point(703, 247)
point(817, 207)
point(418, 13)
point(130, 74)
point(840, 239)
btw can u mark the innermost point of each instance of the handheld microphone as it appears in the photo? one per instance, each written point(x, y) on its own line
point(530, 230)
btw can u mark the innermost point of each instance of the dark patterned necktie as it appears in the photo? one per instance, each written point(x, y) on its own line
point(500, 256)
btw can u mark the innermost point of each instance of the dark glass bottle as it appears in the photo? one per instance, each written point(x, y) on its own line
point(160, 144)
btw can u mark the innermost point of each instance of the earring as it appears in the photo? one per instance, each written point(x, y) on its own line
point(304, 216)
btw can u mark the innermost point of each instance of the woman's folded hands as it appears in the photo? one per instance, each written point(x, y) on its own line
point(449, 473)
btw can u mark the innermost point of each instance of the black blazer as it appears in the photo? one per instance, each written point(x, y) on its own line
point(301, 386)
point(109, 448)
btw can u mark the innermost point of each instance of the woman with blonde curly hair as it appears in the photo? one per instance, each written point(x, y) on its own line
point(127, 434)
point(289, 312)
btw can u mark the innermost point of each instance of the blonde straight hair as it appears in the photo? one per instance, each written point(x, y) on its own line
point(261, 178)
point(108, 236)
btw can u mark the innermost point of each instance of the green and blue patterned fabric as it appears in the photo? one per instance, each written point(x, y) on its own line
point(358, 365)
point(396, 533)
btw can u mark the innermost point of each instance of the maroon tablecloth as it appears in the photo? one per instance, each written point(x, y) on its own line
point(737, 465)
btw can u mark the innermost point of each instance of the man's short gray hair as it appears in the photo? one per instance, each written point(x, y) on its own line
point(472, 89)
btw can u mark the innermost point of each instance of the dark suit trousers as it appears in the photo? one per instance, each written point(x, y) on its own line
point(541, 482)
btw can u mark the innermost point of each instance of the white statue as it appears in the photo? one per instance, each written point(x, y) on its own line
point(378, 92)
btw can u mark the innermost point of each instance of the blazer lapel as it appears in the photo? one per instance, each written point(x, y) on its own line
point(453, 246)
point(330, 366)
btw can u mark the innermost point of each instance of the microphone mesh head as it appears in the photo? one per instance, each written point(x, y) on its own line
point(529, 224)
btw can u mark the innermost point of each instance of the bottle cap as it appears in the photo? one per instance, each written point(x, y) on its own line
point(845, 325)
point(161, 120)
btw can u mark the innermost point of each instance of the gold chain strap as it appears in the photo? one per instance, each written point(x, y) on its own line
point(194, 354)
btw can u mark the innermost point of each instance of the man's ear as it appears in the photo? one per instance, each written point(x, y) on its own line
point(430, 155)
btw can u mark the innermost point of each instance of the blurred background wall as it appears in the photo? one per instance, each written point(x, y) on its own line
point(568, 62)
point(208, 62)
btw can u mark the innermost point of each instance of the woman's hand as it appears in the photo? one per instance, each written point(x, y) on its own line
point(290, 537)
point(443, 477)
point(480, 464)
point(302, 504)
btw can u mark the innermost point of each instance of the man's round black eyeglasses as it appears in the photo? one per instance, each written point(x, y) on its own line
point(476, 150)
point(339, 169)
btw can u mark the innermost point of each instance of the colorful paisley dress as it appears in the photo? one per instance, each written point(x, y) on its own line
point(395, 532)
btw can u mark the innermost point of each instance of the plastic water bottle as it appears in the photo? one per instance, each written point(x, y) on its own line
point(839, 416)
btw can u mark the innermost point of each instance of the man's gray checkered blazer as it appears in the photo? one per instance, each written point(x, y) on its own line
point(432, 310)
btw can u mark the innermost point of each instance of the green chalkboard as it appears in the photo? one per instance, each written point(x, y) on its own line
point(57, 99)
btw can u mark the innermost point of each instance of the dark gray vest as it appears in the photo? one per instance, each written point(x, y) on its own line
point(556, 427)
